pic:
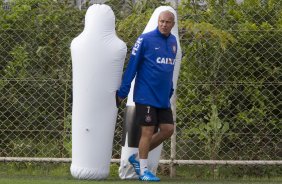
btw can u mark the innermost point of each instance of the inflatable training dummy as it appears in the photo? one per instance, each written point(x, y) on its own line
point(97, 62)
point(131, 131)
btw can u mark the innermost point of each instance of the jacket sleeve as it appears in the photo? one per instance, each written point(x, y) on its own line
point(130, 72)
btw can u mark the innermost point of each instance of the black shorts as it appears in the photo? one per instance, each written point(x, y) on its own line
point(151, 116)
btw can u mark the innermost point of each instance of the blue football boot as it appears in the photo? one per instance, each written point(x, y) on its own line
point(136, 165)
point(149, 176)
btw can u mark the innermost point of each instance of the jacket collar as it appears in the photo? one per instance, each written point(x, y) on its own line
point(160, 34)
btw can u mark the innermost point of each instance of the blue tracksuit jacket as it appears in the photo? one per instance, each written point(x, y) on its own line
point(152, 62)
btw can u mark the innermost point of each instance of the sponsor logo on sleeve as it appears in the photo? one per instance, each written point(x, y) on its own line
point(136, 46)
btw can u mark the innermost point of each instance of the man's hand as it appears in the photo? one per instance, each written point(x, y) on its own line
point(118, 100)
point(171, 93)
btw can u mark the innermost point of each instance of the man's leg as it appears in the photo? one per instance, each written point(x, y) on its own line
point(147, 119)
point(166, 127)
point(165, 132)
point(144, 146)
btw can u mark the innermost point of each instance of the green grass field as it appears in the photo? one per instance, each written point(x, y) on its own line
point(60, 180)
point(47, 173)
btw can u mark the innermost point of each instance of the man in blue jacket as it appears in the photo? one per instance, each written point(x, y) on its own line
point(152, 62)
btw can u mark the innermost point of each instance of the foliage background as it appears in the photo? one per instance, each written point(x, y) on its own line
point(229, 89)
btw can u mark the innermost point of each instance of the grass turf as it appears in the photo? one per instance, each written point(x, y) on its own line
point(115, 180)
point(46, 173)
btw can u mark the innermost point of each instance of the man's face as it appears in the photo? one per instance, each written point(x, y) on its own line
point(165, 23)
